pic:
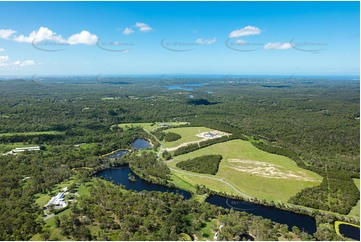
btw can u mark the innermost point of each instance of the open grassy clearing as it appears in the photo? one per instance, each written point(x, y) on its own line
point(181, 183)
point(55, 233)
point(355, 211)
point(87, 146)
point(207, 231)
point(189, 134)
point(32, 133)
point(41, 199)
point(255, 172)
point(150, 126)
point(202, 179)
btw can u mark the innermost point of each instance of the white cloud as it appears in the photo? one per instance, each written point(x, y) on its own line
point(128, 31)
point(2, 49)
point(24, 63)
point(42, 34)
point(6, 33)
point(3, 59)
point(4, 62)
point(240, 42)
point(143, 27)
point(278, 46)
point(246, 31)
point(206, 41)
point(84, 37)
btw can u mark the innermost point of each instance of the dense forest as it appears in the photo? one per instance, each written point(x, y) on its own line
point(124, 215)
point(170, 136)
point(207, 164)
point(315, 123)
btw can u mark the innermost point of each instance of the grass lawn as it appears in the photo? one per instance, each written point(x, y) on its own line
point(188, 134)
point(84, 189)
point(181, 183)
point(280, 177)
point(87, 146)
point(42, 199)
point(150, 126)
point(355, 211)
point(207, 231)
point(50, 225)
point(32, 133)
point(62, 185)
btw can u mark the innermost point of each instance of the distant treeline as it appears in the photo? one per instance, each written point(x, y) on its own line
point(33, 138)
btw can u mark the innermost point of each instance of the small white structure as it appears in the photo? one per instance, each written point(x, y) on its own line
point(210, 135)
point(165, 125)
point(19, 150)
point(57, 201)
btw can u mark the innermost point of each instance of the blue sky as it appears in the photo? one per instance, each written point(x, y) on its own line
point(261, 38)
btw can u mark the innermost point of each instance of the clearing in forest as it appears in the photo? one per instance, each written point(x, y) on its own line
point(355, 211)
point(250, 170)
point(191, 135)
point(152, 126)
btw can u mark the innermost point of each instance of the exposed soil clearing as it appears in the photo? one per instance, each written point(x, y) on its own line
point(268, 170)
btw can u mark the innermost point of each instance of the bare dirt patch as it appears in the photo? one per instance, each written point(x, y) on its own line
point(212, 134)
point(268, 170)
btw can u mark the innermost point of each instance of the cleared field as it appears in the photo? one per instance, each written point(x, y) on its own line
point(355, 211)
point(250, 170)
point(32, 133)
point(150, 126)
point(189, 134)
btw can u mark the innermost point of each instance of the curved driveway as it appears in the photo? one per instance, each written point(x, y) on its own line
point(209, 177)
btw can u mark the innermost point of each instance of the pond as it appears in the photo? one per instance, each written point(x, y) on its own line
point(303, 222)
point(349, 231)
point(119, 176)
point(139, 144)
point(117, 154)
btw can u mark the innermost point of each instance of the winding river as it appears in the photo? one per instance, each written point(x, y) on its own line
point(119, 175)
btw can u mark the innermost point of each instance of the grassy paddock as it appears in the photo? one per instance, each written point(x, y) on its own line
point(188, 134)
point(355, 211)
point(150, 126)
point(266, 186)
point(181, 183)
point(32, 133)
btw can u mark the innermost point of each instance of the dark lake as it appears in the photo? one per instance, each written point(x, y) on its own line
point(117, 154)
point(119, 176)
point(303, 222)
point(139, 144)
point(349, 231)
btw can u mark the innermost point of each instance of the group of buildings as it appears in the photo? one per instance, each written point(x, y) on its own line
point(58, 201)
point(19, 150)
